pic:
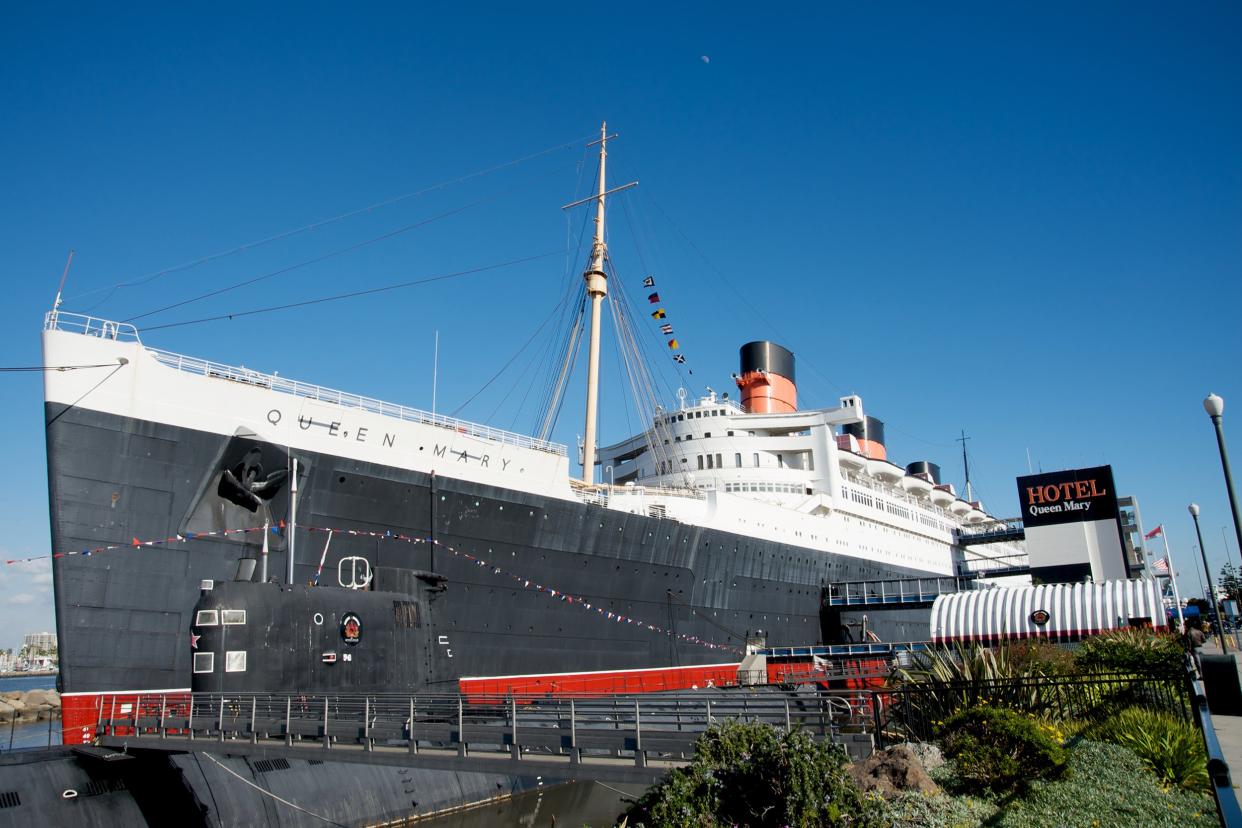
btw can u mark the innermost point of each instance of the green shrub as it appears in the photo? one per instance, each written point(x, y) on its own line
point(1133, 651)
point(915, 810)
point(1002, 749)
point(1035, 657)
point(756, 775)
point(1169, 746)
point(1105, 786)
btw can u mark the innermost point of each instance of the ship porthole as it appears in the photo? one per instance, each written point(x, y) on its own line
point(318, 619)
point(69, 793)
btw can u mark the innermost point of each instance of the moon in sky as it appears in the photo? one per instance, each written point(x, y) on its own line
point(705, 58)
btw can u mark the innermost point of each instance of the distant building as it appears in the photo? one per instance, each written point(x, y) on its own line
point(41, 641)
point(1132, 536)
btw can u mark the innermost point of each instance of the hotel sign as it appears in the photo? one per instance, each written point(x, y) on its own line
point(1073, 496)
point(1073, 525)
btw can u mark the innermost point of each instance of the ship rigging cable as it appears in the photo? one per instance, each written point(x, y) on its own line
point(352, 294)
point(151, 277)
point(30, 368)
point(753, 309)
point(505, 367)
point(329, 255)
point(551, 402)
point(266, 792)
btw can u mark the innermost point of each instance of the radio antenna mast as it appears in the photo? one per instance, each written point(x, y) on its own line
point(965, 464)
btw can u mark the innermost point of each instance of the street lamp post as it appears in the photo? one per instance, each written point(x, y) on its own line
point(1215, 407)
point(1220, 630)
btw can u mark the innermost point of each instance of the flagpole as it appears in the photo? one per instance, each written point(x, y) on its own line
point(1177, 598)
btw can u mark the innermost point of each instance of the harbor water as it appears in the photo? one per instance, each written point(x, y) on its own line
point(574, 804)
point(18, 735)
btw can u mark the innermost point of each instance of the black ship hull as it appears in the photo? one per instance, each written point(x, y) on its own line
point(123, 616)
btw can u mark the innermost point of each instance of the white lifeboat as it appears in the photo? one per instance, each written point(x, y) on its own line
point(916, 485)
point(852, 460)
point(884, 470)
point(942, 495)
point(959, 508)
point(976, 515)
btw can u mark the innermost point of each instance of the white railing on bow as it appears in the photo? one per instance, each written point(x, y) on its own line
point(90, 326)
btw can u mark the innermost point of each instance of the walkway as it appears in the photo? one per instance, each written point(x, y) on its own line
point(623, 739)
point(1228, 728)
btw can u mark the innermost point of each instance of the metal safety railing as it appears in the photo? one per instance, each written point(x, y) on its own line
point(1219, 773)
point(890, 591)
point(997, 530)
point(121, 331)
point(913, 711)
point(662, 726)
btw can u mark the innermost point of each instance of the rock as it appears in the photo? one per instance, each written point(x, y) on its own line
point(38, 697)
point(11, 709)
point(893, 771)
point(929, 754)
point(12, 694)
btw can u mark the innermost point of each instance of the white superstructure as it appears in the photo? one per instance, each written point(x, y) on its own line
point(790, 477)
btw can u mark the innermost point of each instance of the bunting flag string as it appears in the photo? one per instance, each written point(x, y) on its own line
point(519, 580)
point(666, 328)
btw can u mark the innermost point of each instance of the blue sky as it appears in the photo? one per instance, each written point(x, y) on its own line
point(1023, 223)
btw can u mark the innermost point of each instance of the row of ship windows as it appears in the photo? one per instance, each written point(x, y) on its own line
point(706, 436)
point(234, 662)
point(716, 461)
point(786, 488)
point(694, 415)
point(892, 508)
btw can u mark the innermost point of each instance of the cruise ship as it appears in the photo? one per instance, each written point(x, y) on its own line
point(722, 520)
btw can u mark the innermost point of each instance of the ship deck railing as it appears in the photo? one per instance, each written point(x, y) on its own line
point(124, 332)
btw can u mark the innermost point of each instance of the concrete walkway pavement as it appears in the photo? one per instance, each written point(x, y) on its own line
point(1228, 728)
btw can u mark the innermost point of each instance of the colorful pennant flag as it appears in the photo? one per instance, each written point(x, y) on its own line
point(658, 314)
point(389, 535)
point(1154, 532)
point(679, 358)
point(653, 298)
point(666, 329)
point(672, 343)
point(649, 281)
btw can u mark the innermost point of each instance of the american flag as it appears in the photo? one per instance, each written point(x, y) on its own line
point(1161, 566)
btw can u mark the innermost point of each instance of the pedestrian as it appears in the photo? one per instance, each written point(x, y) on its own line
point(1194, 639)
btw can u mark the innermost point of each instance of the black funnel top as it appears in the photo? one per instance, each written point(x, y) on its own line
point(768, 356)
point(871, 430)
point(925, 467)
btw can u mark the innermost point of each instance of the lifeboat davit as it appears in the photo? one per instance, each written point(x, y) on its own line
point(942, 495)
point(884, 470)
point(916, 485)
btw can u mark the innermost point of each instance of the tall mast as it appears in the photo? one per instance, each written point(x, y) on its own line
point(965, 463)
point(597, 289)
